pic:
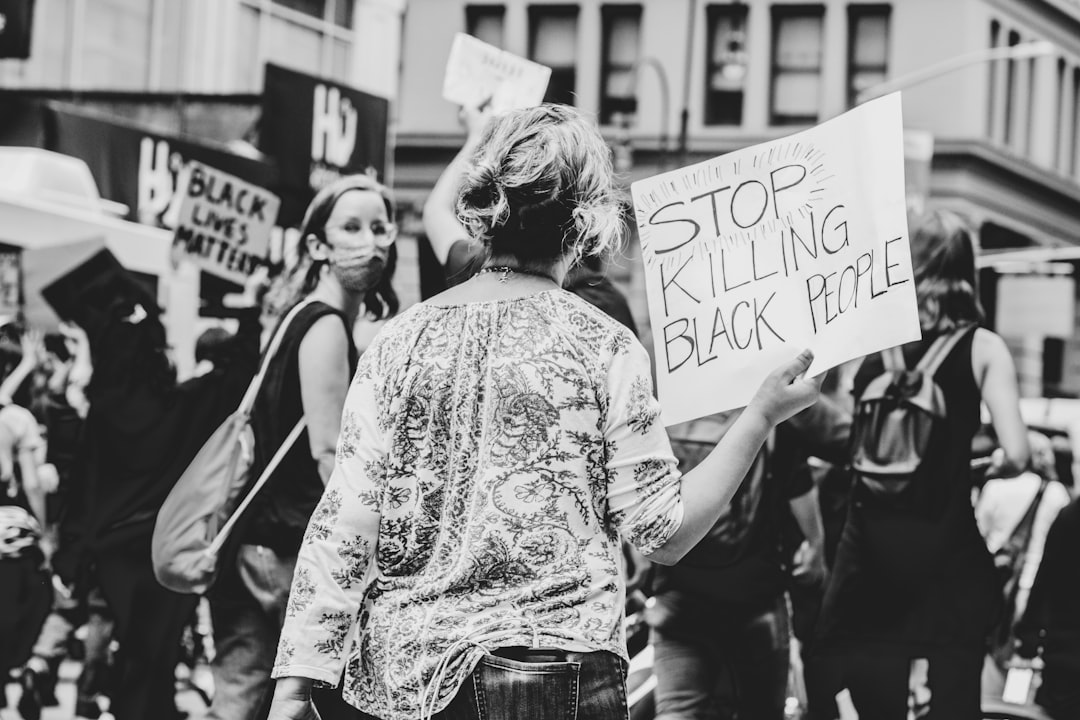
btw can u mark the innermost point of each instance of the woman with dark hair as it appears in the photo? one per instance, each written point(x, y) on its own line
point(912, 597)
point(343, 266)
point(498, 439)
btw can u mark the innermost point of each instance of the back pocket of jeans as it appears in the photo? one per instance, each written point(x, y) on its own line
point(510, 689)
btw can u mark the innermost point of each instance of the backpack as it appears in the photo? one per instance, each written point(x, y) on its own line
point(205, 503)
point(896, 417)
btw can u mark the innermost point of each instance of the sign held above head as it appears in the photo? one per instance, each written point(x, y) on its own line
point(801, 242)
point(477, 73)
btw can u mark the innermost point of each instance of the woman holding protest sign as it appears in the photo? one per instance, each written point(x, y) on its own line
point(343, 267)
point(498, 439)
point(912, 596)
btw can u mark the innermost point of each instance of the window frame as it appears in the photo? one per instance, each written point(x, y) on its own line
point(476, 11)
point(713, 14)
point(611, 104)
point(855, 13)
point(538, 12)
point(778, 14)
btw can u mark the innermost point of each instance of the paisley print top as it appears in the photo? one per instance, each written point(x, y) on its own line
point(490, 458)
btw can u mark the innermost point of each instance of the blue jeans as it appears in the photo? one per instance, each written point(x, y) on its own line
point(586, 686)
point(737, 668)
point(247, 611)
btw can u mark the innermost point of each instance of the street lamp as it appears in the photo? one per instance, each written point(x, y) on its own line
point(1021, 51)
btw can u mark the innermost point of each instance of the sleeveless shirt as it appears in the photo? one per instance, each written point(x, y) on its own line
point(920, 574)
point(279, 515)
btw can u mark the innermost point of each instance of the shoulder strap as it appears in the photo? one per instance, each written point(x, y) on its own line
point(939, 351)
point(271, 466)
point(1017, 544)
point(893, 359)
point(248, 400)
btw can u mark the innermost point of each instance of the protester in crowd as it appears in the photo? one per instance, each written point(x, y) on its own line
point(1050, 626)
point(1014, 515)
point(498, 440)
point(720, 618)
point(142, 430)
point(25, 481)
point(345, 267)
point(462, 257)
point(914, 591)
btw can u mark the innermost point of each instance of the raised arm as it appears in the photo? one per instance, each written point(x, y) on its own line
point(665, 516)
point(440, 218)
point(995, 374)
point(324, 382)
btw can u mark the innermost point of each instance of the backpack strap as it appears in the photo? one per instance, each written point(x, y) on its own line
point(264, 477)
point(940, 350)
point(893, 359)
point(248, 401)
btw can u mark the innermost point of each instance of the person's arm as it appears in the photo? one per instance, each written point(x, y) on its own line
point(324, 383)
point(810, 558)
point(664, 515)
point(439, 215)
point(32, 486)
point(995, 374)
point(31, 352)
point(338, 546)
point(82, 368)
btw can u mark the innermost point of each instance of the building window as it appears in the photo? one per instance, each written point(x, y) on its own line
point(995, 38)
point(553, 42)
point(338, 11)
point(868, 48)
point(725, 75)
point(310, 36)
point(1075, 125)
point(1010, 90)
point(1059, 117)
point(796, 64)
point(621, 45)
point(486, 22)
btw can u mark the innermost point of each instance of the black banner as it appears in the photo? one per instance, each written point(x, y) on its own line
point(16, 23)
point(319, 130)
point(139, 167)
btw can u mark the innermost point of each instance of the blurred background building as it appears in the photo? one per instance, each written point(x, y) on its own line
point(671, 81)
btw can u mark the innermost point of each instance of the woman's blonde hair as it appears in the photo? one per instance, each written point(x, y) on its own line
point(541, 184)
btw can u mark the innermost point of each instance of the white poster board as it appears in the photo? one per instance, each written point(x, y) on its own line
point(801, 242)
point(223, 223)
point(477, 72)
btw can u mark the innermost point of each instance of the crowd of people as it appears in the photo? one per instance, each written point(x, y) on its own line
point(448, 537)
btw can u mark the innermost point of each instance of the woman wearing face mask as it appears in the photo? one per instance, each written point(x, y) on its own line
point(345, 263)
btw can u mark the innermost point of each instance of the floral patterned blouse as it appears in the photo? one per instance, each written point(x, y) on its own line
point(490, 458)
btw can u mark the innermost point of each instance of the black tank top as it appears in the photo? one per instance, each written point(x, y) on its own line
point(279, 515)
point(918, 575)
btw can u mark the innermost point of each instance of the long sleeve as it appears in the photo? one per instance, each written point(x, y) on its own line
point(644, 499)
point(338, 547)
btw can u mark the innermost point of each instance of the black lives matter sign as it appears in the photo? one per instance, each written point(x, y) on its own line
point(224, 223)
point(753, 256)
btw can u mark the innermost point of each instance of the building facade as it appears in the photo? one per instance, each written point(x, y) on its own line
point(673, 82)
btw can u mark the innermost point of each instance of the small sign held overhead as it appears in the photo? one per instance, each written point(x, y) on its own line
point(477, 72)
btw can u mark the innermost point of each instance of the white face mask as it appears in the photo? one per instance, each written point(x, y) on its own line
point(358, 270)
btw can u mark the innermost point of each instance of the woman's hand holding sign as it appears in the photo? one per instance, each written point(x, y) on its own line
point(786, 391)
point(708, 488)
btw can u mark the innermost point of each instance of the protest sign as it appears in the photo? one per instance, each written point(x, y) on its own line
point(800, 242)
point(477, 72)
point(224, 223)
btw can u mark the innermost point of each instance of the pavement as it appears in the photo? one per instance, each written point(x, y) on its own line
point(187, 699)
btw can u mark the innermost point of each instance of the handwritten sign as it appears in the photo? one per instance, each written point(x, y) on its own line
point(477, 72)
point(795, 243)
point(223, 223)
